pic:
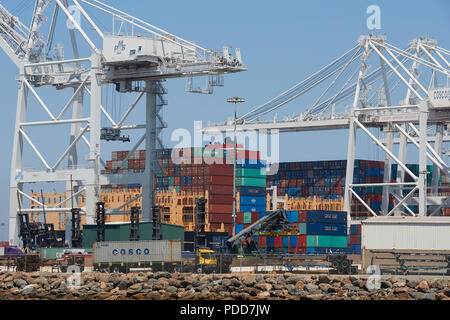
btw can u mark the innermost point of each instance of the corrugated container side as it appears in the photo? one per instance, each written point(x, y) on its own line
point(326, 229)
point(406, 233)
point(137, 251)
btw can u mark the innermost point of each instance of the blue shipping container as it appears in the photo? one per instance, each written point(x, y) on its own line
point(293, 241)
point(252, 191)
point(285, 242)
point(292, 216)
point(354, 229)
point(247, 208)
point(326, 216)
point(326, 229)
point(239, 228)
point(253, 200)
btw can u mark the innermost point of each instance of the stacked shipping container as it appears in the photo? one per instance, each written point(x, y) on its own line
point(317, 232)
point(326, 179)
point(354, 238)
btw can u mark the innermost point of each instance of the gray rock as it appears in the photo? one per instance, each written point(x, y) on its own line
point(412, 283)
point(162, 275)
point(171, 289)
point(311, 287)
point(422, 295)
point(293, 279)
point(152, 281)
point(28, 290)
point(260, 278)
point(226, 282)
point(324, 279)
point(350, 287)
point(123, 285)
point(21, 283)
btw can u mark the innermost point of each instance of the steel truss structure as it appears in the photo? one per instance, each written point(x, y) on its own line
point(133, 55)
point(356, 92)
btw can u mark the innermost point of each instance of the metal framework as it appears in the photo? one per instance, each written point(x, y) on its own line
point(356, 92)
point(133, 55)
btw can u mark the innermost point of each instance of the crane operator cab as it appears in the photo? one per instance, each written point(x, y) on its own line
point(207, 257)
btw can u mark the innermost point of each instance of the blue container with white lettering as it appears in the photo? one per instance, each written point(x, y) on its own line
point(252, 200)
point(326, 229)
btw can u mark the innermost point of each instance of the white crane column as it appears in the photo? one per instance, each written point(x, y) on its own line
point(16, 163)
point(148, 188)
point(93, 183)
point(422, 182)
point(387, 170)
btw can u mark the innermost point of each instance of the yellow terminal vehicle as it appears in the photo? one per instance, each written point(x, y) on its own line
point(207, 261)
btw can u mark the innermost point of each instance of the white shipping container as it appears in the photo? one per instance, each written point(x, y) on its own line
point(406, 233)
point(137, 251)
point(2, 251)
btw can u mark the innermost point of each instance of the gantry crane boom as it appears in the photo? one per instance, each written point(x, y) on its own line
point(356, 95)
point(132, 55)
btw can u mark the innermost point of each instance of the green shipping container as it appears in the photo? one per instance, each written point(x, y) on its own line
point(302, 228)
point(177, 188)
point(247, 217)
point(251, 173)
point(321, 241)
point(250, 182)
point(121, 232)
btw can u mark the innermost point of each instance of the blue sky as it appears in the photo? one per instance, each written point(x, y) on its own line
point(282, 42)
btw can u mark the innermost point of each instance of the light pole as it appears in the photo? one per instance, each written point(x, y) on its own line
point(234, 100)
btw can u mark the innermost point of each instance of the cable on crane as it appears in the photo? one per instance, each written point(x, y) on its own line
point(305, 87)
point(294, 91)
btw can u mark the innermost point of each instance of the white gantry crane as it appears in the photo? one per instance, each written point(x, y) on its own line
point(403, 93)
point(133, 55)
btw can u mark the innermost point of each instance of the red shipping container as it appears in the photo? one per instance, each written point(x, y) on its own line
point(220, 199)
point(262, 242)
point(355, 239)
point(246, 225)
point(239, 217)
point(224, 190)
point(219, 170)
point(302, 216)
point(278, 242)
point(219, 180)
point(220, 218)
point(220, 208)
point(292, 183)
point(255, 216)
point(301, 241)
point(4, 243)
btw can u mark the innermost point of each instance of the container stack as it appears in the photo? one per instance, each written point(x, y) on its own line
point(134, 164)
point(250, 187)
point(326, 179)
point(294, 243)
point(354, 239)
point(219, 184)
point(326, 231)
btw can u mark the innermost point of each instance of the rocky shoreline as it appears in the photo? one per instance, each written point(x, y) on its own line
point(182, 286)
